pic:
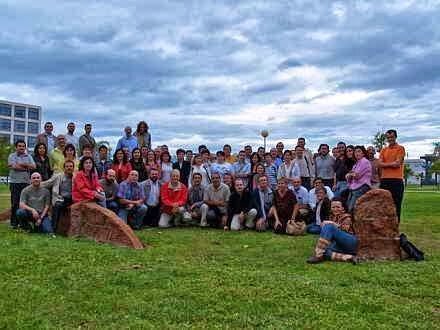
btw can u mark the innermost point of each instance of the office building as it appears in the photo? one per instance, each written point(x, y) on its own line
point(19, 122)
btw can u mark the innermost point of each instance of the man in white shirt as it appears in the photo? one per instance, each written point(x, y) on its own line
point(312, 195)
point(70, 137)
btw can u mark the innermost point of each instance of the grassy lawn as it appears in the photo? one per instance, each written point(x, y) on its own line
point(211, 279)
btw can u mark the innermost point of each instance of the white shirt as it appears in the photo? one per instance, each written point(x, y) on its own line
point(312, 196)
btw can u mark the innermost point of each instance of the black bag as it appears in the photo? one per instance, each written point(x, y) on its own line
point(410, 249)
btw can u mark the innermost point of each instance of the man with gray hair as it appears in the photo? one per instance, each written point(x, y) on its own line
point(128, 141)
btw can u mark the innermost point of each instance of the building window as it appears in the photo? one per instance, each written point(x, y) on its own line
point(5, 110)
point(33, 113)
point(33, 128)
point(32, 141)
point(5, 124)
point(19, 112)
point(18, 137)
point(5, 138)
point(19, 126)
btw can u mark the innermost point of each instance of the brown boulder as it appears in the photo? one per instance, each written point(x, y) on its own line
point(93, 221)
point(376, 226)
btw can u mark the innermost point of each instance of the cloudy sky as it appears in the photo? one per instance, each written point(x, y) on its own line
point(220, 71)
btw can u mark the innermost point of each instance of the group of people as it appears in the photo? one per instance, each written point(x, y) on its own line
point(249, 190)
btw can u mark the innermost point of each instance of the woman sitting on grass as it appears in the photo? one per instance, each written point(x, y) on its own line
point(337, 241)
point(285, 206)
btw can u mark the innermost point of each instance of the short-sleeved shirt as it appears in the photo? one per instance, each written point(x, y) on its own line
point(37, 198)
point(222, 193)
point(19, 176)
point(325, 167)
point(110, 188)
point(391, 154)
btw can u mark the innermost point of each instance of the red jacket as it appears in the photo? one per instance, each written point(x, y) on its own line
point(83, 189)
point(170, 196)
point(122, 172)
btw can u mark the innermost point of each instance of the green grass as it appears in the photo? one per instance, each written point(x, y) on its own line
point(211, 279)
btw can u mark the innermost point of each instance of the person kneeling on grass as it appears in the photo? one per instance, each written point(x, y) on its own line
point(173, 195)
point(34, 204)
point(215, 203)
point(285, 207)
point(240, 211)
point(195, 201)
point(337, 240)
point(131, 199)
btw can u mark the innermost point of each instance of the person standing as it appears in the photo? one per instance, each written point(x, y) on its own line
point(127, 141)
point(359, 178)
point(183, 166)
point(71, 138)
point(220, 166)
point(56, 157)
point(121, 165)
point(242, 169)
point(391, 164)
point(47, 137)
point(375, 178)
point(19, 164)
point(138, 164)
point(41, 160)
point(288, 169)
point(324, 165)
point(103, 164)
point(229, 157)
point(142, 135)
point(87, 139)
point(305, 165)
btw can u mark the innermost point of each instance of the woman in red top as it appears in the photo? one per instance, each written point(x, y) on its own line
point(121, 165)
point(85, 186)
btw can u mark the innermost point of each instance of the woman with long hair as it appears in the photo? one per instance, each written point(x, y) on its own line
point(69, 153)
point(337, 240)
point(138, 165)
point(86, 186)
point(42, 163)
point(151, 162)
point(142, 135)
point(121, 165)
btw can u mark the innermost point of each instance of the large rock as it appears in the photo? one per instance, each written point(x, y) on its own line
point(93, 221)
point(376, 226)
point(5, 215)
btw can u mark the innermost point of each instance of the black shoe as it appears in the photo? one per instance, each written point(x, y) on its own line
point(315, 260)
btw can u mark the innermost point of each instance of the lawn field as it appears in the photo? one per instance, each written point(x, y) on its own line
point(194, 278)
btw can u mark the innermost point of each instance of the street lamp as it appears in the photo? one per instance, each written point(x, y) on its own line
point(264, 133)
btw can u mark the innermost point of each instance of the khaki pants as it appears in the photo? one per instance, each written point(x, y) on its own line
point(249, 220)
point(166, 220)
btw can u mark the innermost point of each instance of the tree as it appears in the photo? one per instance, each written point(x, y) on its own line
point(379, 140)
point(5, 150)
point(407, 172)
point(435, 168)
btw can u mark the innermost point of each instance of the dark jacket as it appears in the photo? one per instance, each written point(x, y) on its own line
point(256, 203)
point(325, 210)
point(184, 171)
point(238, 204)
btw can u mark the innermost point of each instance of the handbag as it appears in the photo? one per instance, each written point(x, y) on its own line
point(410, 249)
point(295, 228)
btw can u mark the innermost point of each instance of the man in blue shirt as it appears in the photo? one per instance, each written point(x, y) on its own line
point(127, 141)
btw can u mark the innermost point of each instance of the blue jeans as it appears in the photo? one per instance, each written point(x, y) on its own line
point(341, 241)
point(25, 218)
point(313, 228)
point(137, 213)
point(113, 206)
point(340, 187)
point(355, 194)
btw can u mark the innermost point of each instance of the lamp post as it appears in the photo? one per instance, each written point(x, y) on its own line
point(264, 133)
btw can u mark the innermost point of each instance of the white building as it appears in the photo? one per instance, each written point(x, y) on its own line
point(19, 121)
